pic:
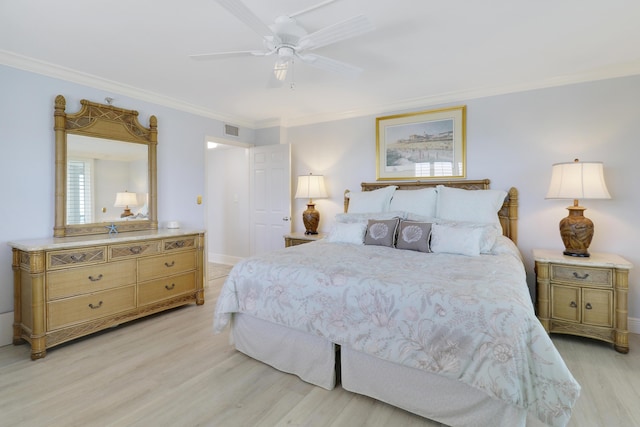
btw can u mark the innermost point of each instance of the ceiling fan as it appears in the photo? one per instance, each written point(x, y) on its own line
point(287, 40)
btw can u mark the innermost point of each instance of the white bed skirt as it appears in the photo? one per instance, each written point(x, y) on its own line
point(311, 358)
point(432, 396)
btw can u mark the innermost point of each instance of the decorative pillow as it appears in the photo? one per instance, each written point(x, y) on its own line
point(348, 218)
point(469, 205)
point(347, 233)
point(381, 232)
point(414, 236)
point(371, 201)
point(455, 239)
point(420, 202)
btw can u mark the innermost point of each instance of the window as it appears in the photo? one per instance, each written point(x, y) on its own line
point(79, 191)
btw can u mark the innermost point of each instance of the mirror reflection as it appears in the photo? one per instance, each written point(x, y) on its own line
point(107, 180)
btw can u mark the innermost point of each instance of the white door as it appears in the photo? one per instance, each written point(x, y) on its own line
point(270, 187)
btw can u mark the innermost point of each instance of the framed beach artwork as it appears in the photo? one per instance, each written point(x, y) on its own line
point(422, 145)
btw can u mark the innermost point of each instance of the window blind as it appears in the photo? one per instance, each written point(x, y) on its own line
point(79, 194)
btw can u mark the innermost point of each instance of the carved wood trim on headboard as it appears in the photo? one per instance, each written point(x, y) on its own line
point(508, 214)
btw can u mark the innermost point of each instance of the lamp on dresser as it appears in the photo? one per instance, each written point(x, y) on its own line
point(124, 200)
point(577, 180)
point(311, 187)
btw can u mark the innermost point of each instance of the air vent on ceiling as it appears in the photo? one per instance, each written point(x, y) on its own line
point(231, 130)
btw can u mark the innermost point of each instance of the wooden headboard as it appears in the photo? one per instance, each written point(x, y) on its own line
point(508, 214)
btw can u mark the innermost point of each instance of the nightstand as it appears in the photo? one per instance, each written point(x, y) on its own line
point(583, 296)
point(293, 239)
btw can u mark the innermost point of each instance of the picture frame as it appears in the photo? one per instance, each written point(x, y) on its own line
point(422, 145)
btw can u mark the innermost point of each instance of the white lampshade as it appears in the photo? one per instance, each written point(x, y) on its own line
point(578, 180)
point(125, 199)
point(310, 187)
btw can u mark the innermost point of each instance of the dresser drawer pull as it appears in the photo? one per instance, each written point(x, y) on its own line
point(577, 276)
point(135, 249)
point(588, 306)
point(180, 243)
point(167, 287)
point(573, 304)
point(93, 307)
point(170, 264)
point(77, 258)
point(95, 279)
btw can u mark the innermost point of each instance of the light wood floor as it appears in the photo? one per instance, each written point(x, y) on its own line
point(170, 370)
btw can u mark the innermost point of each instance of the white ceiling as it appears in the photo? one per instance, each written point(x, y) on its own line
point(423, 52)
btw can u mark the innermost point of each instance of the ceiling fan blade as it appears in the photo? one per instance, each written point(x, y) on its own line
point(332, 65)
point(310, 8)
point(334, 33)
point(242, 12)
point(220, 55)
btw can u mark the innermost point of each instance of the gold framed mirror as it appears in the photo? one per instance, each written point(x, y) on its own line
point(104, 156)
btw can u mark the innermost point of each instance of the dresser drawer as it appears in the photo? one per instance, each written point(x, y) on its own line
point(582, 275)
point(166, 265)
point(89, 307)
point(93, 278)
point(72, 257)
point(179, 243)
point(135, 249)
point(158, 290)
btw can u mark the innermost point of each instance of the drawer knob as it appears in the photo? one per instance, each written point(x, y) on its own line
point(167, 287)
point(135, 249)
point(573, 304)
point(171, 264)
point(588, 306)
point(581, 277)
point(95, 279)
point(180, 243)
point(93, 307)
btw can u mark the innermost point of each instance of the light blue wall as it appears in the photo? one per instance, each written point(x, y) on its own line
point(513, 140)
point(27, 160)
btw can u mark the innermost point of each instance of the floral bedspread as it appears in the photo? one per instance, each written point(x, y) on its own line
point(467, 318)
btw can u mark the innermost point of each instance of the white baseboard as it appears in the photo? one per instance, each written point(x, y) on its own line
point(6, 328)
point(223, 259)
point(634, 325)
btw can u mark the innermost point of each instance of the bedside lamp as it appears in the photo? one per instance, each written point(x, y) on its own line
point(124, 200)
point(310, 187)
point(577, 180)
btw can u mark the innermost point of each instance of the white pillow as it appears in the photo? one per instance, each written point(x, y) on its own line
point(371, 201)
point(347, 233)
point(348, 218)
point(456, 204)
point(419, 202)
point(455, 239)
point(489, 232)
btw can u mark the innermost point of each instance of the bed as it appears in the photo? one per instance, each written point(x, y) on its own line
point(437, 321)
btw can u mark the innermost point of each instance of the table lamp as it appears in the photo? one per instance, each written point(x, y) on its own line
point(577, 180)
point(124, 200)
point(310, 187)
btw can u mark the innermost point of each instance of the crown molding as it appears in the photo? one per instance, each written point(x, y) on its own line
point(48, 69)
point(56, 71)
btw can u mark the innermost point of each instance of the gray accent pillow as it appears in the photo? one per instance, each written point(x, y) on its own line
point(381, 232)
point(414, 236)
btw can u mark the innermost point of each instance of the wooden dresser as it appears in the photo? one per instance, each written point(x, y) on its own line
point(65, 288)
point(583, 296)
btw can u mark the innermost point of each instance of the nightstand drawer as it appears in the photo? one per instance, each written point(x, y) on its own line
point(582, 275)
